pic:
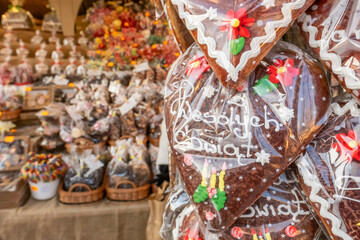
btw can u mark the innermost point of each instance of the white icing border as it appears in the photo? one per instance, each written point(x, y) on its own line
point(313, 182)
point(347, 74)
point(194, 22)
point(352, 105)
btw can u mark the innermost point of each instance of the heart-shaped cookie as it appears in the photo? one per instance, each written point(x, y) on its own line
point(182, 36)
point(280, 213)
point(230, 145)
point(330, 171)
point(332, 30)
point(236, 35)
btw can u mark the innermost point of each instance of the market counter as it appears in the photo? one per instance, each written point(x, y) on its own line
point(44, 220)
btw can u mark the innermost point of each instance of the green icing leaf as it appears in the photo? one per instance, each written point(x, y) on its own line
point(201, 194)
point(219, 200)
point(264, 86)
point(236, 45)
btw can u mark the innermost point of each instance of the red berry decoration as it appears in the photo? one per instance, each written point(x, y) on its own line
point(237, 232)
point(188, 160)
point(291, 231)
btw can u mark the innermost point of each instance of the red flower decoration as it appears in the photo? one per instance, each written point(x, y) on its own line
point(283, 72)
point(197, 67)
point(235, 23)
point(348, 145)
point(187, 237)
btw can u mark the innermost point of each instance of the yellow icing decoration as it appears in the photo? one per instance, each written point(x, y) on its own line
point(235, 22)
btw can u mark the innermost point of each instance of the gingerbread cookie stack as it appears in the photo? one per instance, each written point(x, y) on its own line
point(330, 171)
point(231, 145)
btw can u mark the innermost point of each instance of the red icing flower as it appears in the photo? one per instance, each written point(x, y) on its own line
point(188, 237)
point(235, 24)
point(211, 191)
point(197, 67)
point(283, 72)
point(348, 145)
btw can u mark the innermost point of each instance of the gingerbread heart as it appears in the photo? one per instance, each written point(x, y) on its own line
point(280, 213)
point(230, 145)
point(182, 36)
point(332, 30)
point(236, 35)
point(330, 171)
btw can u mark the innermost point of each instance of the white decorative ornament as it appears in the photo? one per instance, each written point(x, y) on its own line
point(286, 114)
point(209, 91)
point(268, 3)
point(262, 157)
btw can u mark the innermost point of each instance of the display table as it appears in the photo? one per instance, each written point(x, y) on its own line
point(44, 220)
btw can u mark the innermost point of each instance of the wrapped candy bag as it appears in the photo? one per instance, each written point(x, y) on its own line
point(118, 167)
point(56, 67)
point(21, 51)
point(232, 144)
point(41, 67)
point(84, 168)
point(16, 17)
point(50, 125)
point(331, 28)
point(330, 171)
point(138, 168)
point(24, 73)
point(41, 52)
point(236, 35)
point(6, 72)
point(37, 38)
point(71, 68)
point(57, 53)
point(280, 213)
point(6, 50)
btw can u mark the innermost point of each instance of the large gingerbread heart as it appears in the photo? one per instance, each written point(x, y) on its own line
point(230, 145)
point(332, 30)
point(236, 35)
point(330, 171)
point(280, 213)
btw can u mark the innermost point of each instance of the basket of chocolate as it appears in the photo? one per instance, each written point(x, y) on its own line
point(127, 173)
point(83, 182)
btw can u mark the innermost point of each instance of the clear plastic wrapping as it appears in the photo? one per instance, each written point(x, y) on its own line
point(236, 35)
point(230, 145)
point(331, 29)
point(280, 213)
point(330, 171)
point(85, 168)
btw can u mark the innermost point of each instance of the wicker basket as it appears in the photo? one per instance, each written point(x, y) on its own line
point(127, 194)
point(10, 115)
point(83, 144)
point(81, 197)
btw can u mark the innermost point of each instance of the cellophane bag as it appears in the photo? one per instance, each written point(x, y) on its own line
point(231, 145)
point(138, 168)
point(280, 213)
point(118, 167)
point(85, 168)
point(236, 35)
point(330, 171)
point(331, 29)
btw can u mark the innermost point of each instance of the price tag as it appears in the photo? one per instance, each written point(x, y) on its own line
point(28, 89)
point(71, 84)
point(44, 113)
point(9, 139)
